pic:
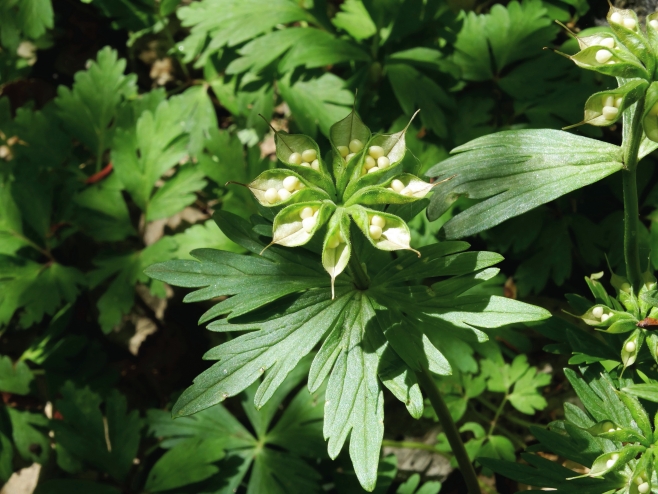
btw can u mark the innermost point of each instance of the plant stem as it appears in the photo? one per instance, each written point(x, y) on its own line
point(497, 415)
point(631, 147)
point(361, 279)
point(412, 445)
point(440, 408)
point(510, 418)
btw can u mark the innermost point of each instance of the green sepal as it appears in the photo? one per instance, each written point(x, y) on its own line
point(286, 144)
point(620, 458)
point(647, 294)
point(652, 343)
point(625, 436)
point(622, 97)
point(636, 338)
point(335, 259)
point(639, 414)
point(624, 64)
point(650, 117)
point(385, 194)
point(633, 39)
point(652, 32)
point(596, 39)
point(274, 179)
point(394, 146)
point(288, 229)
point(340, 134)
point(395, 236)
point(614, 317)
point(642, 473)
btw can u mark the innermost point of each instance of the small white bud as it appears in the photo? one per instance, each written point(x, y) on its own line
point(406, 191)
point(271, 195)
point(284, 194)
point(602, 56)
point(309, 155)
point(610, 112)
point(383, 162)
point(316, 213)
point(296, 158)
point(333, 242)
point(290, 183)
point(619, 101)
point(309, 223)
point(654, 24)
point(611, 429)
point(397, 185)
point(373, 169)
point(605, 317)
point(307, 212)
point(376, 151)
point(306, 165)
point(630, 347)
point(343, 150)
point(630, 23)
point(370, 162)
point(378, 221)
point(615, 457)
point(356, 145)
point(625, 287)
point(609, 100)
point(610, 463)
point(639, 480)
point(349, 156)
point(375, 232)
point(616, 18)
point(643, 488)
point(607, 425)
point(315, 165)
point(607, 42)
point(597, 312)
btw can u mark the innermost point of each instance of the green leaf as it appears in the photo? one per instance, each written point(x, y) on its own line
point(527, 167)
point(90, 108)
point(29, 432)
point(176, 193)
point(177, 467)
point(131, 15)
point(6, 458)
point(526, 397)
point(108, 443)
point(14, 379)
point(647, 392)
point(498, 447)
point(355, 20)
point(32, 17)
point(61, 486)
point(410, 486)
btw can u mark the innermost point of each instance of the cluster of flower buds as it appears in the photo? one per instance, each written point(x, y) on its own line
point(361, 176)
point(629, 53)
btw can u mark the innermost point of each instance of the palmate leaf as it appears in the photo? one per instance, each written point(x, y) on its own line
point(16, 378)
point(515, 171)
point(356, 356)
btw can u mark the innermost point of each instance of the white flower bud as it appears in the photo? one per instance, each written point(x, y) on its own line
point(376, 151)
point(295, 159)
point(315, 165)
point(309, 155)
point(375, 232)
point(630, 347)
point(643, 488)
point(343, 150)
point(611, 429)
point(625, 287)
point(630, 23)
point(605, 317)
point(316, 213)
point(610, 463)
point(356, 145)
point(378, 221)
point(607, 42)
point(597, 312)
point(397, 185)
point(639, 480)
point(307, 212)
point(616, 18)
point(619, 101)
point(290, 183)
point(406, 191)
point(383, 162)
point(373, 169)
point(333, 242)
point(610, 112)
point(306, 165)
point(654, 24)
point(349, 156)
point(370, 162)
point(609, 100)
point(602, 56)
point(615, 457)
point(284, 194)
point(271, 195)
point(309, 223)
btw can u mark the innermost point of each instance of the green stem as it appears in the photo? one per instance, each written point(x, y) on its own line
point(497, 415)
point(440, 408)
point(361, 279)
point(509, 434)
point(509, 418)
point(631, 147)
point(412, 445)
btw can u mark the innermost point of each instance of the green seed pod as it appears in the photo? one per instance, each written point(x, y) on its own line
point(650, 117)
point(384, 231)
point(652, 343)
point(341, 134)
point(647, 293)
point(652, 31)
point(302, 154)
point(625, 25)
point(277, 187)
point(606, 319)
point(612, 462)
point(606, 107)
point(402, 189)
point(603, 40)
point(624, 436)
point(294, 227)
point(631, 347)
point(640, 480)
point(614, 62)
point(603, 427)
point(337, 248)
